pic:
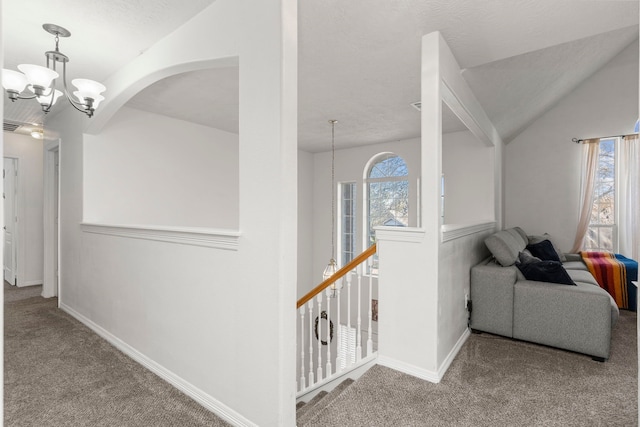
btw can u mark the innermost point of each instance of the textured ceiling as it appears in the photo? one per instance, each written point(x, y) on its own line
point(105, 35)
point(214, 92)
point(516, 90)
point(359, 60)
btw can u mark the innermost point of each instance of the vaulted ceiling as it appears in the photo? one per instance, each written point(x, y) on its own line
point(359, 60)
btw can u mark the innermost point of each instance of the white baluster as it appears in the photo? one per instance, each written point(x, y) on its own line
point(359, 320)
point(350, 344)
point(328, 369)
point(302, 367)
point(319, 376)
point(339, 331)
point(311, 379)
point(369, 340)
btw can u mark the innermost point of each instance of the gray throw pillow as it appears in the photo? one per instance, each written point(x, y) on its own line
point(504, 247)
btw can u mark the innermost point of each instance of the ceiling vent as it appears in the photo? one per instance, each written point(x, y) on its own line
point(10, 126)
point(417, 105)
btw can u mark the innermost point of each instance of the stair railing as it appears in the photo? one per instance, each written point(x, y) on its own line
point(320, 365)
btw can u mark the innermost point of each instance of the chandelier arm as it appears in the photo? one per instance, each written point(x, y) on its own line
point(53, 91)
point(77, 105)
point(82, 110)
point(26, 96)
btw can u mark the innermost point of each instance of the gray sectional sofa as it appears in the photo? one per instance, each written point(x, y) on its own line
point(577, 318)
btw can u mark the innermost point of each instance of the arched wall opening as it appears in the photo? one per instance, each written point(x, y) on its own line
point(169, 156)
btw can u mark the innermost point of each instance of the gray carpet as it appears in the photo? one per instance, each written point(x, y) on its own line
point(59, 373)
point(14, 293)
point(499, 382)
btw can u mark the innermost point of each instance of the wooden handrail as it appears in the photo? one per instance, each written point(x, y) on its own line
point(338, 275)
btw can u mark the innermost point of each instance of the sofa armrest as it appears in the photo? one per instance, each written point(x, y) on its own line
point(492, 298)
point(576, 318)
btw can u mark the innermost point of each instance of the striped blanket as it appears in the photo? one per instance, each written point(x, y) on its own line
point(610, 273)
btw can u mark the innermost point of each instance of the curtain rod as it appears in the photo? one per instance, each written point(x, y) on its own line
point(578, 141)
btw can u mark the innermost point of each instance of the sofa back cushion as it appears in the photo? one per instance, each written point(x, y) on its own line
point(506, 245)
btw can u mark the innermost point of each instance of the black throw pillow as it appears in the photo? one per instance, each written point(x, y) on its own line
point(544, 250)
point(546, 271)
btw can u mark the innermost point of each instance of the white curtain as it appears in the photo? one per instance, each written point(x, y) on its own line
point(629, 197)
point(591, 150)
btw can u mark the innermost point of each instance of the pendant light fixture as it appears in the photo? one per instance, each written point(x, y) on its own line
point(332, 267)
point(41, 81)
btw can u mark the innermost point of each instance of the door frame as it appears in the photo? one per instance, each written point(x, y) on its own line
point(18, 231)
point(49, 288)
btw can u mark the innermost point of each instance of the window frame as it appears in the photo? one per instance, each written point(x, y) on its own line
point(354, 227)
point(366, 211)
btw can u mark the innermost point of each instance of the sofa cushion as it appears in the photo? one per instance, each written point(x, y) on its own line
point(522, 234)
point(546, 271)
point(537, 239)
point(505, 246)
point(575, 265)
point(582, 276)
point(544, 250)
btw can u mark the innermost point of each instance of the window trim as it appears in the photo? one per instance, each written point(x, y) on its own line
point(378, 158)
point(339, 230)
point(616, 186)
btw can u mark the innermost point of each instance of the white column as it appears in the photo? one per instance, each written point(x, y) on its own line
point(359, 319)
point(329, 371)
point(319, 317)
point(302, 368)
point(350, 344)
point(338, 329)
point(369, 340)
point(311, 377)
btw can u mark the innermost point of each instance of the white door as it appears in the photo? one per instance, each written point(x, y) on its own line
point(10, 183)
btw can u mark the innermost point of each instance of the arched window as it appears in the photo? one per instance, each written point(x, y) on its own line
point(387, 184)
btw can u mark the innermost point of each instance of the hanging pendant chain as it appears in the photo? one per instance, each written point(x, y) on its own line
point(333, 199)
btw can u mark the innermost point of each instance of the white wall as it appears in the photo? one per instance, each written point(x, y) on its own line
point(144, 168)
point(29, 152)
point(188, 311)
point(542, 172)
point(2, 246)
point(414, 262)
point(468, 168)
point(305, 222)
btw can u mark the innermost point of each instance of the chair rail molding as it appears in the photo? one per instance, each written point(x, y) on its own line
point(193, 236)
point(456, 231)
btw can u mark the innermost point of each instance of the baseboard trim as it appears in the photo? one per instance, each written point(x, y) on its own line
point(354, 373)
point(426, 374)
point(187, 388)
point(29, 283)
point(453, 353)
point(409, 369)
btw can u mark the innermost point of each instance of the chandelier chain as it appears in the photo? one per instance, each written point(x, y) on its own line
point(333, 189)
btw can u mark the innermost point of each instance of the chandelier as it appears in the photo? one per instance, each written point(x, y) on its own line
point(35, 81)
point(332, 267)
